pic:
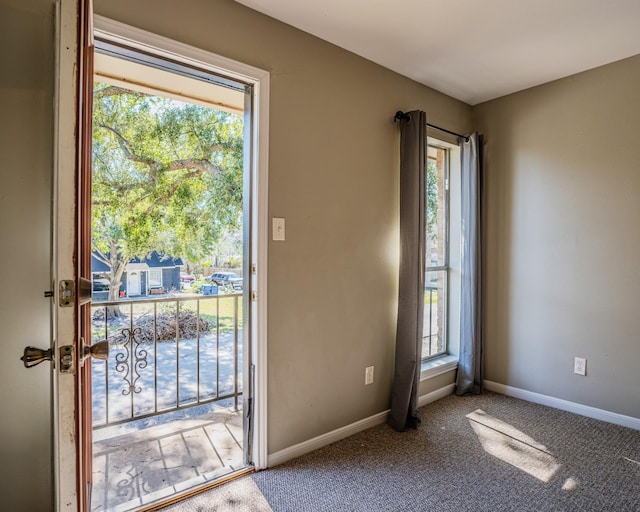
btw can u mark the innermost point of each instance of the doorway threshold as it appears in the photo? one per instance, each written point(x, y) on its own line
point(135, 470)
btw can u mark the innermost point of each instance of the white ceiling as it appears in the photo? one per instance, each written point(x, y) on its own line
point(473, 50)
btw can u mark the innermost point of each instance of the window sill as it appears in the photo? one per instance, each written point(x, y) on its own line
point(438, 366)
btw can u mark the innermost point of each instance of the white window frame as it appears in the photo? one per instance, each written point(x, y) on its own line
point(433, 366)
point(444, 265)
point(150, 282)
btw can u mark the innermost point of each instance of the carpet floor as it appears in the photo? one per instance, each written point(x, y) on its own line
point(480, 453)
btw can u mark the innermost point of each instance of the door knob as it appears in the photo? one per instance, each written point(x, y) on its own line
point(99, 350)
point(34, 356)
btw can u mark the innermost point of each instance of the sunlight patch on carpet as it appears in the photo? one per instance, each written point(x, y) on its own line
point(513, 446)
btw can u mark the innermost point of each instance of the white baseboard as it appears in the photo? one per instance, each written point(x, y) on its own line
point(565, 405)
point(436, 395)
point(305, 447)
point(297, 450)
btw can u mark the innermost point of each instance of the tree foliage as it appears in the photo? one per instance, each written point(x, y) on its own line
point(431, 200)
point(167, 176)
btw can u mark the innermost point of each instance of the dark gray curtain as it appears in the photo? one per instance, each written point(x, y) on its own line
point(404, 406)
point(469, 379)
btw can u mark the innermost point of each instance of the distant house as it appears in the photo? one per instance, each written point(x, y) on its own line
point(156, 274)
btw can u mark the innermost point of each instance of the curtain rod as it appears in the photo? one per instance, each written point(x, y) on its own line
point(400, 115)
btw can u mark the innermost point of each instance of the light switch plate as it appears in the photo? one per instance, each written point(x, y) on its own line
point(278, 228)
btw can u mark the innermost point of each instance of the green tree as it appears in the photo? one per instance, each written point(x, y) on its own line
point(167, 176)
point(432, 200)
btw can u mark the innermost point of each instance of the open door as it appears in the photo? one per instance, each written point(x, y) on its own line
point(73, 250)
point(72, 290)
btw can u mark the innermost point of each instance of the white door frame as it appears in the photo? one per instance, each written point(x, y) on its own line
point(136, 38)
point(65, 229)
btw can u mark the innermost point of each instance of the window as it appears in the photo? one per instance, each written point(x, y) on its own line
point(155, 278)
point(434, 336)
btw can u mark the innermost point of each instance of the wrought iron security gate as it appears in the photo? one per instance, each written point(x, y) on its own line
point(166, 354)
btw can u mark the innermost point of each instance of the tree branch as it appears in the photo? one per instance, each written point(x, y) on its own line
point(130, 155)
point(200, 164)
point(113, 90)
point(101, 257)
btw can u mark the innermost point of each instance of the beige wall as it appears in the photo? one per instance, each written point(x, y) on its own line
point(26, 110)
point(563, 237)
point(334, 177)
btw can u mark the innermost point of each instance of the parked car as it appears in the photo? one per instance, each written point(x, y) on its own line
point(100, 285)
point(186, 278)
point(222, 278)
point(227, 280)
point(236, 284)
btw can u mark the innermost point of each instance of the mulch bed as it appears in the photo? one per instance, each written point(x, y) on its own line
point(164, 327)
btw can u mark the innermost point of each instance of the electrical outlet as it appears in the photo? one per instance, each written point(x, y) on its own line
point(580, 365)
point(368, 375)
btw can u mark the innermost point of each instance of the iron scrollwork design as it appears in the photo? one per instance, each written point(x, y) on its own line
point(131, 361)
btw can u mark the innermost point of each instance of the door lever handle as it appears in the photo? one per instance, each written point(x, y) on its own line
point(34, 356)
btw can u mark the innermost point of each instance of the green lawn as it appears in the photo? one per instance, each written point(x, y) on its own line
point(218, 310)
point(434, 297)
point(222, 308)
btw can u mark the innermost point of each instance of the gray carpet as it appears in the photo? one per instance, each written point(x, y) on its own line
point(485, 453)
point(515, 456)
